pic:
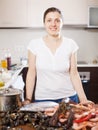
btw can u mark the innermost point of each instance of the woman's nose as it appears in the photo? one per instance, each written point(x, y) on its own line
point(53, 23)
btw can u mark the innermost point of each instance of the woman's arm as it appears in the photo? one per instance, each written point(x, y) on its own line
point(30, 79)
point(75, 78)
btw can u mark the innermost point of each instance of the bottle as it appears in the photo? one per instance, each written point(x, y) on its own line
point(3, 60)
point(8, 58)
point(4, 63)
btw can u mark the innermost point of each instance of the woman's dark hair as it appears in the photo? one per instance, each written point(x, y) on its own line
point(51, 9)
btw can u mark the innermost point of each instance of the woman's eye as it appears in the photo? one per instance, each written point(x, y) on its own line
point(57, 20)
point(49, 20)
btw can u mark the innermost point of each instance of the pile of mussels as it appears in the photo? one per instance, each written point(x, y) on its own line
point(38, 120)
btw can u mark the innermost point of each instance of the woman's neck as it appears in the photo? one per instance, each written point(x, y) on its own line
point(53, 38)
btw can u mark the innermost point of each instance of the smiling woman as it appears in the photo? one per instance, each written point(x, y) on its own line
point(53, 21)
point(53, 62)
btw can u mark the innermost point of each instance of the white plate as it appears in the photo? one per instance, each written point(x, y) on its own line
point(39, 106)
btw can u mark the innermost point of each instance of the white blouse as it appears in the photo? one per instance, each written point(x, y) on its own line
point(53, 80)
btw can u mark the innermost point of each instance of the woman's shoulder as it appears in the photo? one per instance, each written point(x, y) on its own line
point(67, 39)
point(70, 43)
point(34, 45)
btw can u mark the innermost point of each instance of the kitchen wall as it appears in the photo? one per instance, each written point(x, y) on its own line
point(17, 41)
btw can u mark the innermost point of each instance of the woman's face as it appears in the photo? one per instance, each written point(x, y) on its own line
point(53, 23)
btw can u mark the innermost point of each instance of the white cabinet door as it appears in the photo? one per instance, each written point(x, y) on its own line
point(74, 11)
point(29, 13)
point(13, 13)
point(92, 2)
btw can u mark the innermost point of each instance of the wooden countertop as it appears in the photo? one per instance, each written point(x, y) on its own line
point(26, 127)
point(31, 128)
point(22, 127)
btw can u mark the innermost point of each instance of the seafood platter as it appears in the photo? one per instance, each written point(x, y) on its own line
point(52, 116)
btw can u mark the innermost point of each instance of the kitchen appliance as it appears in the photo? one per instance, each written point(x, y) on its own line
point(93, 17)
point(10, 99)
point(85, 79)
point(85, 76)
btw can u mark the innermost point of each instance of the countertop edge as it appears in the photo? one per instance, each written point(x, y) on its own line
point(87, 65)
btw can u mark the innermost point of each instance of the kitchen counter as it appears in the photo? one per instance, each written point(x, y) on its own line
point(80, 65)
point(27, 127)
point(22, 127)
point(87, 65)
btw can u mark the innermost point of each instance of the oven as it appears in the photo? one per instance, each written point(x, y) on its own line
point(85, 79)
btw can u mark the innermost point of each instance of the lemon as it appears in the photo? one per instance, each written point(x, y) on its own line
point(1, 84)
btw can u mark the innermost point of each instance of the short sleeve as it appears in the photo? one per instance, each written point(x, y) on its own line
point(74, 46)
point(32, 47)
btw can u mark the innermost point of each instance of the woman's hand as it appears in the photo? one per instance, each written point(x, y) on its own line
point(26, 101)
point(88, 102)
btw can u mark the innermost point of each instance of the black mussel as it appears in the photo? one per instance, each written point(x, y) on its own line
point(3, 121)
point(12, 123)
point(26, 118)
point(3, 128)
point(30, 120)
point(21, 122)
point(16, 123)
point(59, 124)
point(13, 116)
point(33, 123)
point(36, 126)
point(20, 115)
point(43, 116)
point(2, 114)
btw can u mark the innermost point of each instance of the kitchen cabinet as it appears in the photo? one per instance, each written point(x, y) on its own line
point(13, 13)
point(74, 12)
point(91, 88)
point(29, 13)
point(92, 2)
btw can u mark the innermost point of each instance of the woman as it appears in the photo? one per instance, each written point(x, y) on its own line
point(52, 59)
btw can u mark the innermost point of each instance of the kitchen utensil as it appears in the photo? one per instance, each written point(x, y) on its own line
point(10, 99)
